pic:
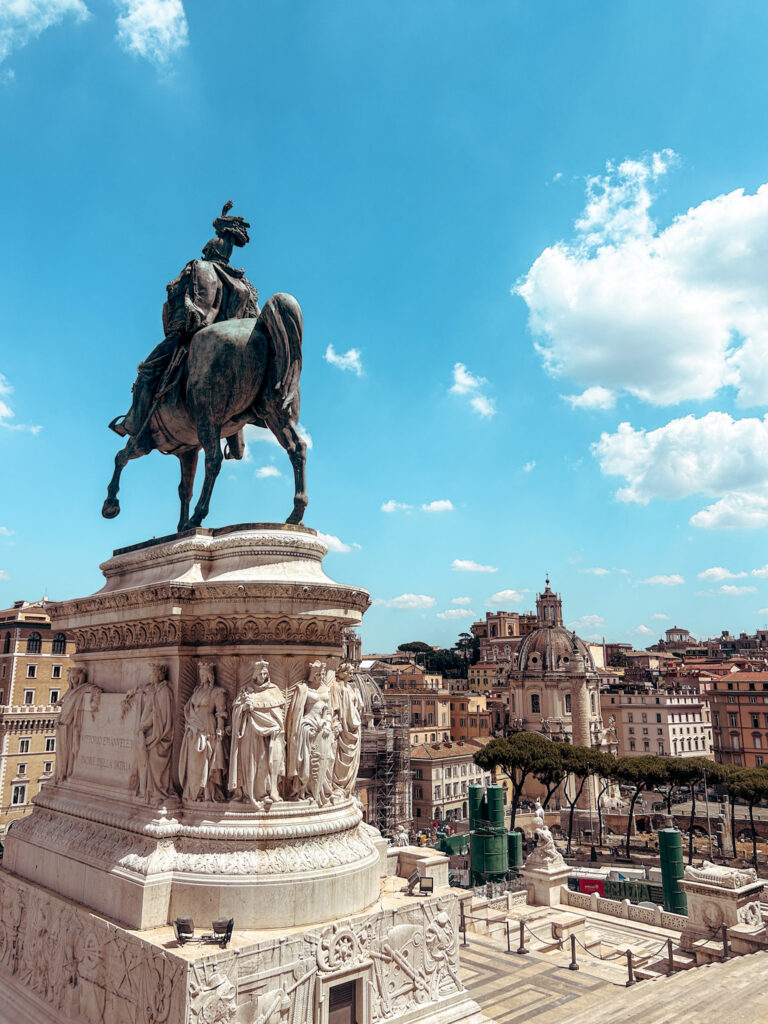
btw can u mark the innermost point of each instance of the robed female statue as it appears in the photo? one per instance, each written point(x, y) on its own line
point(202, 759)
point(257, 751)
point(311, 738)
point(346, 707)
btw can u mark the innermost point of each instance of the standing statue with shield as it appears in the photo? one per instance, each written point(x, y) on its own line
point(222, 364)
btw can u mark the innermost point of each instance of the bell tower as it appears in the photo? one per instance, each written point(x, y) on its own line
point(549, 607)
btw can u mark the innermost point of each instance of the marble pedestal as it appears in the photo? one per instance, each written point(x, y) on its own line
point(718, 896)
point(228, 597)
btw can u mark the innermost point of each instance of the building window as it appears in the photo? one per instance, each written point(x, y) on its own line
point(59, 645)
point(56, 672)
point(732, 719)
point(31, 671)
point(734, 741)
point(47, 767)
point(19, 795)
point(50, 744)
point(631, 744)
point(759, 761)
point(34, 643)
point(646, 745)
point(535, 704)
point(7, 644)
point(630, 717)
point(567, 703)
point(29, 696)
point(24, 746)
point(658, 717)
point(417, 793)
point(755, 721)
point(54, 696)
point(21, 768)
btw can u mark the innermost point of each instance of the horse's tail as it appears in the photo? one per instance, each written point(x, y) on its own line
point(282, 321)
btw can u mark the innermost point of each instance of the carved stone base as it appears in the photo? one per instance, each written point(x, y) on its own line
point(545, 882)
point(60, 964)
point(730, 899)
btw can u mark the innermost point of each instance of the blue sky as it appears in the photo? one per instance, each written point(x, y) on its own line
point(530, 246)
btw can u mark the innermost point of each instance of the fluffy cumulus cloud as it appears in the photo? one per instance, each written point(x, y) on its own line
point(5, 532)
point(153, 29)
point(6, 412)
point(668, 314)
point(596, 571)
point(717, 573)
point(466, 383)
point(529, 466)
point(714, 455)
point(504, 597)
point(349, 360)
point(440, 505)
point(661, 616)
point(406, 601)
point(643, 631)
point(266, 471)
point(456, 613)
point(395, 506)
point(593, 398)
point(731, 591)
point(668, 580)
point(24, 20)
point(334, 544)
point(467, 565)
point(258, 435)
point(4, 575)
point(587, 622)
point(461, 600)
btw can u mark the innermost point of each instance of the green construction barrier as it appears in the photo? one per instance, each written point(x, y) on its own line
point(495, 801)
point(476, 801)
point(515, 849)
point(671, 857)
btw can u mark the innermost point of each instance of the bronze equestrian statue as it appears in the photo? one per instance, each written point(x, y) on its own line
point(222, 364)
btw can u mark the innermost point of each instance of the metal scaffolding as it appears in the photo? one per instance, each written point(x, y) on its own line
point(385, 768)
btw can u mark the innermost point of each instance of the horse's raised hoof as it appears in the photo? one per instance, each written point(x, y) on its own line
point(110, 509)
point(296, 518)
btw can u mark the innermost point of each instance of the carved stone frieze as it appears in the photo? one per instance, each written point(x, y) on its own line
point(173, 631)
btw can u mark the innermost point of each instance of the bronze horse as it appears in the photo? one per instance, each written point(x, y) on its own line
point(237, 372)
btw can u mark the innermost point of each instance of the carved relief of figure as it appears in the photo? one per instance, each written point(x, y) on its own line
point(257, 753)
point(311, 740)
point(79, 698)
point(153, 737)
point(346, 706)
point(202, 760)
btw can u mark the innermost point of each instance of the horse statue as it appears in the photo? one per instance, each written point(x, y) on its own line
point(224, 364)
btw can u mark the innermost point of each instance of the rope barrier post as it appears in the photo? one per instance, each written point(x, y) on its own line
point(573, 966)
point(630, 970)
point(463, 925)
point(670, 957)
point(509, 944)
point(724, 931)
point(521, 948)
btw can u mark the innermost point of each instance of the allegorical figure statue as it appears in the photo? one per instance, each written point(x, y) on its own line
point(311, 738)
point(223, 363)
point(202, 759)
point(152, 706)
point(257, 753)
point(79, 698)
point(346, 707)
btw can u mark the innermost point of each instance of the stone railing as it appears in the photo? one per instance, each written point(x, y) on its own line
point(623, 909)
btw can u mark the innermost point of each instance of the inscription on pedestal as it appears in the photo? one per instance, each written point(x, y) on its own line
point(106, 754)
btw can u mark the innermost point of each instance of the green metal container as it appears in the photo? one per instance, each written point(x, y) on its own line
point(671, 857)
point(476, 801)
point(515, 849)
point(495, 798)
point(489, 859)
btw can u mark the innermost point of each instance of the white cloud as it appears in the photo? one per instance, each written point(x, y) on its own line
point(761, 574)
point(587, 622)
point(671, 580)
point(597, 571)
point(717, 573)
point(4, 575)
point(440, 505)
point(395, 506)
point(456, 613)
point(258, 435)
point(5, 531)
point(334, 544)
point(762, 611)
point(592, 398)
point(461, 600)
point(24, 20)
point(154, 29)
point(643, 631)
point(466, 383)
point(660, 615)
point(713, 455)
point(529, 466)
point(666, 315)
point(502, 597)
point(467, 565)
point(732, 591)
point(349, 360)
point(406, 601)
point(6, 412)
point(265, 471)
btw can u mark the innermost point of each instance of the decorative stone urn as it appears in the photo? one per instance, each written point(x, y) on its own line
point(207, 751)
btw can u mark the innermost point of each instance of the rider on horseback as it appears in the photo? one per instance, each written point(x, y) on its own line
point(205, 292)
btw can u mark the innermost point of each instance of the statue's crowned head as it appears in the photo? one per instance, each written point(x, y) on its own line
point(206, 673)
point(316, 673)
point(158, 672)
point(230, 231)
point(260, 672)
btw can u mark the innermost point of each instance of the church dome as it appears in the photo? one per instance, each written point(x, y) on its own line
point(553, 649)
